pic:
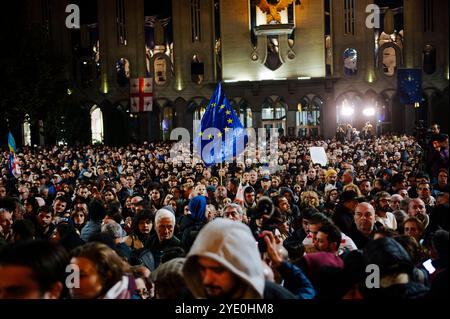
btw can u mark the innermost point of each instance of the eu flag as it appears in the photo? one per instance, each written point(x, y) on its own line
point(221, 136)
point(409, 85)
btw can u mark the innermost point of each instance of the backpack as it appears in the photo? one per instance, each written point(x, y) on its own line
point(144, 257)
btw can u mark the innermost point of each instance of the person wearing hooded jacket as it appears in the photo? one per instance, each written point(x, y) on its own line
point(224, 263)
point(191, 224)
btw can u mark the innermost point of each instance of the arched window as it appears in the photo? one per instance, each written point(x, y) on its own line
point(246, 115)
point(197, 69)
point(274, 111)
point(350, 62)
point(389, 61)
point(86, 72)
point(96, 125)
point(123, 72)
point(429, 59)
point(274, 115)
point(308, 116)
point(243, 110)
point(26, 131)
point(160, 71)
point(168, 115)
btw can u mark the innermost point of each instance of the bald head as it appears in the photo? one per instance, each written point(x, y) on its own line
point(365, 218)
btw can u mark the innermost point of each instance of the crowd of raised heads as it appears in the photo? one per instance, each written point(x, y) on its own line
point(132, 223)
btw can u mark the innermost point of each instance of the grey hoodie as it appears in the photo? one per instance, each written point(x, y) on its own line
point(231, 244)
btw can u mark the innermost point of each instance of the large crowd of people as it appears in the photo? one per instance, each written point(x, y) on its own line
point(133, 223)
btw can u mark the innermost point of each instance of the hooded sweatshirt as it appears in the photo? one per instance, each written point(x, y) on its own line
point(232, 245)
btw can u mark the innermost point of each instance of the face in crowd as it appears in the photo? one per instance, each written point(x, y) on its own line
point(365, 218)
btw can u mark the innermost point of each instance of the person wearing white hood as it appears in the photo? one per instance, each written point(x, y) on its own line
point(224, 263)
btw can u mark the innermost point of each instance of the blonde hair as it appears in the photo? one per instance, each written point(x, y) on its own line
point(310, 198)
point(352, 187)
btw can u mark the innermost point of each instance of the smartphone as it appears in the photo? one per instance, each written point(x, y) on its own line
point(429, 266)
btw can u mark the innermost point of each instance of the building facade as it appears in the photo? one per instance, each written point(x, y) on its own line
point(304, 68)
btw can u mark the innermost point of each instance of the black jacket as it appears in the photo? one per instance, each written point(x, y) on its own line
point(343, 218)
point(157, 248)
point(189, 229)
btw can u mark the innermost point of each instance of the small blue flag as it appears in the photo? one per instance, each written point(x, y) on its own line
point(221, 136)
point(409, 85)
point(11, 143)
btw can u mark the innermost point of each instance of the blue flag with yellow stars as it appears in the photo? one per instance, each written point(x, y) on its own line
point(221, 136)
point(409, 85)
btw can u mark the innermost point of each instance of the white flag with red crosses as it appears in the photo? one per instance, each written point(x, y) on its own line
point(141, 95)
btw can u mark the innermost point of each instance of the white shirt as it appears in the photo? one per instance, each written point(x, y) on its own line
point(346, 242)
point(388, 222)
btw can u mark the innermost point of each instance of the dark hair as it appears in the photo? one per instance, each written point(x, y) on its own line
point(411, 245)
point(97, 210)
point(8, 203)
point(47, 260)
point(307, 213)
point(319, 218)
point(440, 244)
point(24, 228)
point(46, 209)
point(334, 234)
point(172, 253)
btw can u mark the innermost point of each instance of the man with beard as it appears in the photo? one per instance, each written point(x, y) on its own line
point(249, 198)
point(224, 263)
point(383, 216)
point(45, 227)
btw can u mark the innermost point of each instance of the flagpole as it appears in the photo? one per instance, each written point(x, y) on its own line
point(221, 170)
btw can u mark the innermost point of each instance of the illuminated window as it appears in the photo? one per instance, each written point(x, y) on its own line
point(123, 72)
point(167, 122)
point(197, 69)
point(96, 125)
point(27, 131)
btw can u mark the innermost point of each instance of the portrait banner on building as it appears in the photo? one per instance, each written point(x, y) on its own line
point(141, 95)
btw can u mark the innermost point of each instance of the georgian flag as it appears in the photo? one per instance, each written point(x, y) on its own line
point(141, 95)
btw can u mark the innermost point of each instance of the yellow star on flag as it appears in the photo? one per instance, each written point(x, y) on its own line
point(213, 104)
point(201, 134)
point(228, 112)
point(226, 129)
point(222, 106)
point(210, 136)
point(230, 121)
point(220, 134)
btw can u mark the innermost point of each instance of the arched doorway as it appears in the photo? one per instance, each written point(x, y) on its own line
point(166, 117)
point(97, 128)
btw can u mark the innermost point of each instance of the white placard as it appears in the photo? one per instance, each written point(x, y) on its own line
point(318, 155)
